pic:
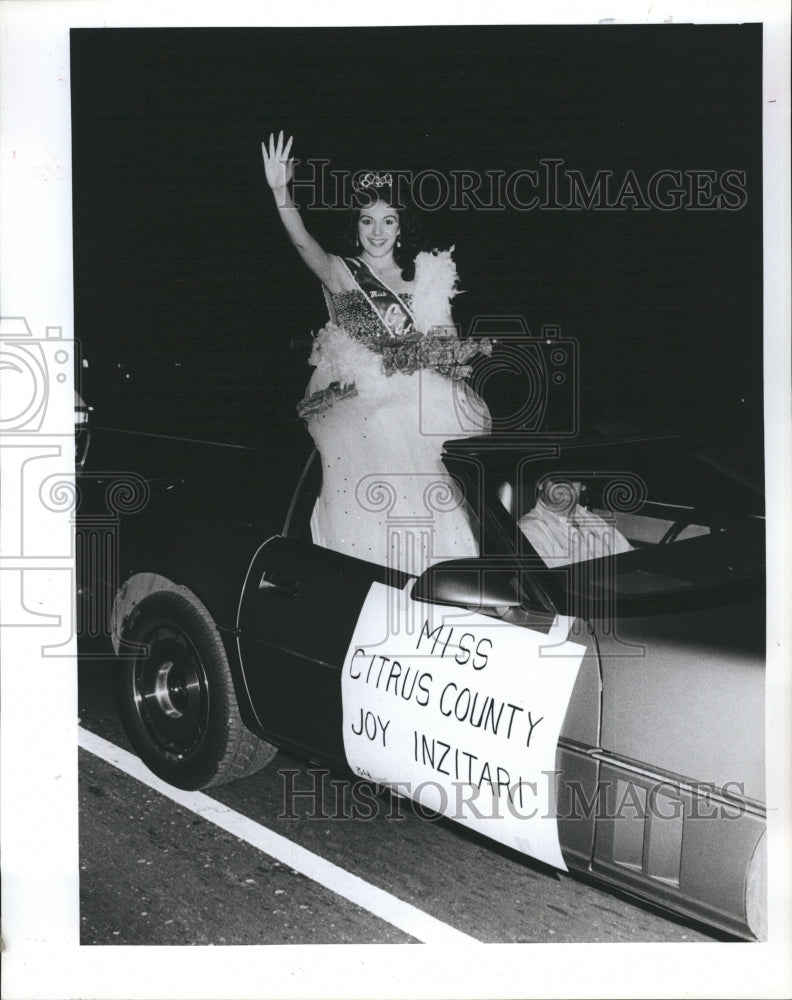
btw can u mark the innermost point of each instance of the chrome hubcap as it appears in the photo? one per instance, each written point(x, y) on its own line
point(171, 692)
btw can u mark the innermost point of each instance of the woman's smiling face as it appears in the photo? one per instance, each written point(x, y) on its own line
point(378, 227)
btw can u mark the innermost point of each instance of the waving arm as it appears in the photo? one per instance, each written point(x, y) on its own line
point(279, 168)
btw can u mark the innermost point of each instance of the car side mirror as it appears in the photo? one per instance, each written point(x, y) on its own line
point(468, 583)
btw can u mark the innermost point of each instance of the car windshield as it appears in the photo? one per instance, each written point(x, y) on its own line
point(628, 519)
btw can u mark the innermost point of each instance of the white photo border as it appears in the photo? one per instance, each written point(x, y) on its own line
point(42, 955)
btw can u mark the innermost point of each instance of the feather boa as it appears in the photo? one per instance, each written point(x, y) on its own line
point(435, 285)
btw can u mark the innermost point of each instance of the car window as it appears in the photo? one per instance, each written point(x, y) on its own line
point(631, 525)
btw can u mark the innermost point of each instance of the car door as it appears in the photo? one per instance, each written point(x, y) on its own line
point(299, 607)
point(298, 613)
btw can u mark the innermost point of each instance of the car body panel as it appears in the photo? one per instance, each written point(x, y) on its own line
point(660, 707)
point(676, 844)
point(666, 715)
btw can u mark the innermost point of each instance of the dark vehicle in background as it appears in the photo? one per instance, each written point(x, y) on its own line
point(231, 628)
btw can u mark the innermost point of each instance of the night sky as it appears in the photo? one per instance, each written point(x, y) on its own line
point(179, 256)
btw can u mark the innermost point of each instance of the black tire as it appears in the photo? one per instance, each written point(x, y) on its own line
point(176, 697)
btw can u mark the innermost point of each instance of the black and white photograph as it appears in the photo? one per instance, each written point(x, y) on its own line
point(405, 419)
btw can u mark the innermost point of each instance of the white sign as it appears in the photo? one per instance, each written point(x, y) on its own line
point(461, 713)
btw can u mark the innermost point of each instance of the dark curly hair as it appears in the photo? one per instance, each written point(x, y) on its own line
point(410, 231)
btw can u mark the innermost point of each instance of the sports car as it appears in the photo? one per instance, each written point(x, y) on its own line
point(236, 637)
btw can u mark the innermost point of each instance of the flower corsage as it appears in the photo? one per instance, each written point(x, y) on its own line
point(440, 350)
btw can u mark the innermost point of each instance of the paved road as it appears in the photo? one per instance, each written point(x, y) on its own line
point(153, 871)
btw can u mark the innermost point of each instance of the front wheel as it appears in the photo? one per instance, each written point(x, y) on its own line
point(176, 696)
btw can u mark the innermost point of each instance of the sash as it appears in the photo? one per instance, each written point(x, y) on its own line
point(391, 311)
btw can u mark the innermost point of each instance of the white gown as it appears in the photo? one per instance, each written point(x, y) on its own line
point(386, 496)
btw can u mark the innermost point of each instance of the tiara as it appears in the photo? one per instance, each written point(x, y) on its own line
point(371, 179)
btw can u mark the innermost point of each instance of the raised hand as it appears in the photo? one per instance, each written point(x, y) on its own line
point(279, 168)
point(278, 165)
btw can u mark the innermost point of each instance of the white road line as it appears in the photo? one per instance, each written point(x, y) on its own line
point(395, 911)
